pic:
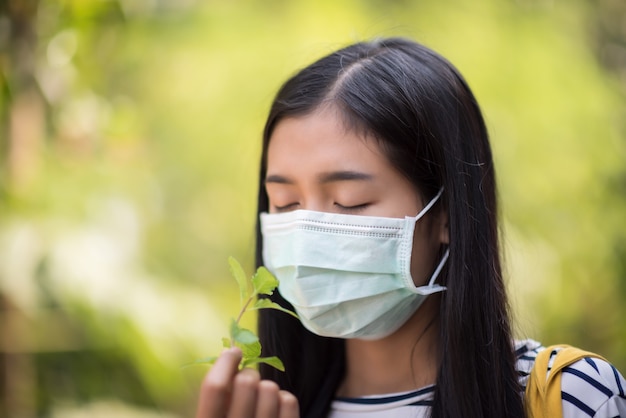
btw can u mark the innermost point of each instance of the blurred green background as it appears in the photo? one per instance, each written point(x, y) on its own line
point(129, 138)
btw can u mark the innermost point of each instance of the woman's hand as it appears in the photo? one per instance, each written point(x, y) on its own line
point(228, 392)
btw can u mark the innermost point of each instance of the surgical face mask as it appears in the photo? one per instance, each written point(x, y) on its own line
point(347, 276)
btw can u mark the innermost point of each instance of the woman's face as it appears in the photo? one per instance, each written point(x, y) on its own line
point(315, 163)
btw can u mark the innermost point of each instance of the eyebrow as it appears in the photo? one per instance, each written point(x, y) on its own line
point(344, 175)
point(324, 177)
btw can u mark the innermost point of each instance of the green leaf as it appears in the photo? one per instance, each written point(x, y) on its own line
point(242, 280)
point(206, 360)
point(272, 361)
point(268, 304)
point(225, 342)
point(252, 350)
point(245, 336)
point(242, 335)
point(264, 282)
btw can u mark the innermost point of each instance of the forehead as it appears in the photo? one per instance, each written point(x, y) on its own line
point(321, 137)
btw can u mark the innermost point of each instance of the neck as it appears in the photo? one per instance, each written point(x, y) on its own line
point(406, 360)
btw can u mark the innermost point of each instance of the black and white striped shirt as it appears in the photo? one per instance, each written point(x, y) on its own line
point(589, 388)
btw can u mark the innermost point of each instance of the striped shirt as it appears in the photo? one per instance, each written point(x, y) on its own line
point(589, 388)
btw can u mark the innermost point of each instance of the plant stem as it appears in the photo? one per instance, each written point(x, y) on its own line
point(244, 309)
point(241, 312)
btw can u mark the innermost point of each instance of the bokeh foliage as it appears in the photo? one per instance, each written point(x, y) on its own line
point(130, 135)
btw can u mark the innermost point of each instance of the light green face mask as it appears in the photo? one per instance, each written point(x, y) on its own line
point(347, 276)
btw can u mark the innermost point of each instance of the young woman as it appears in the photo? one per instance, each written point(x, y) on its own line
point(378, 214)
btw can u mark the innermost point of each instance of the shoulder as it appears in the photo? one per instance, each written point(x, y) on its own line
point(590, 387)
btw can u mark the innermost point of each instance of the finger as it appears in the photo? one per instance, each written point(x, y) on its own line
point(288, 405)
point(217, 386)
point(244, 397)
point(267, 400)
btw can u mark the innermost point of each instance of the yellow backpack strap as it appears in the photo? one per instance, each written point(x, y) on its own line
point(543, 390)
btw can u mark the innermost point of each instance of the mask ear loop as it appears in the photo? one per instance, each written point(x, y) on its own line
point(430, 204)
point(432, 287)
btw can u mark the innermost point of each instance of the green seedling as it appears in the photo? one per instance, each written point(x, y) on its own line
point(262, 283)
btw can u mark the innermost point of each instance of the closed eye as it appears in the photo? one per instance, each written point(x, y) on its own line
point(353, 208)
point(287, 207)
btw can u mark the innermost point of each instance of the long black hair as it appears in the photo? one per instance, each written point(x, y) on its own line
point(429, 124)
